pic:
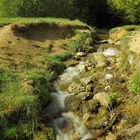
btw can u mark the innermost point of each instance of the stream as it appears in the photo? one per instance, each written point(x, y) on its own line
point(68, 125)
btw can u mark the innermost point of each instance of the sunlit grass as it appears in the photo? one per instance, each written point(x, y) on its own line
point(60, 21)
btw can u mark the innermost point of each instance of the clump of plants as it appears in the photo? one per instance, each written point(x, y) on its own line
point(83, 42)
point(112, 98)
point(134, 83)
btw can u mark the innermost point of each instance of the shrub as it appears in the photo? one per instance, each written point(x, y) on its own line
point(60, 57)
point(134, 84)
point(81, 42)
point(41, 84)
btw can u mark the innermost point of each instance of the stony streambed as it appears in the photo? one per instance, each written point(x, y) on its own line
point(80, 106)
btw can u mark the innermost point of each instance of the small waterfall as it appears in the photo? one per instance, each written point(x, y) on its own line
point(65, 123)
point(110, 52)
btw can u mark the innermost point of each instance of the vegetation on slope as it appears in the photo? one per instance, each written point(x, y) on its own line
point(28, 67)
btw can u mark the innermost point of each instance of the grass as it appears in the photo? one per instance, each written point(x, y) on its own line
point(60, 57)
point(134, 84)
point(27, 75)
point(126, 27)
point(17, 106)
point(50, 20)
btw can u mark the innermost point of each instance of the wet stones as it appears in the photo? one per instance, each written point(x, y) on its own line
point(75, 88)
point(109, 76)
point(85, 95)
point(100, 123)
point(86, 81)
point(90, 87)
point(72, 103)
point(98, 59)
point(102, 97)
point(90, 106)
point(110, 41)
point(86, 117)
point(80, 54)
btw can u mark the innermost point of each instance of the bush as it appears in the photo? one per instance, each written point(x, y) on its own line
point(134, 84)
point(60, 57)
point(83, 40)
point(41, 86)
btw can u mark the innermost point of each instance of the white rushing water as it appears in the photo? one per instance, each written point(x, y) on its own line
point(110, 52)
point(72, 72)
point(67, 124)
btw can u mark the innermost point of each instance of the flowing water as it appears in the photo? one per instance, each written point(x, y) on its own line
point(67, 124)
point(110, 52)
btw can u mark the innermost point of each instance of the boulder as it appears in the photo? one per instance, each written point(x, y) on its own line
point(85, 95)
point(111, 41)
point(75, 135)
point(102, 97)
point(135, 43)
point(98, 59)
point(82, 67)
point(109, 76)
point(103, 41)
point(90, 87)
point(72, 102)
point(101, 123)
point(80, 54)
point(86, 117)
point(111, 136)
point(75, 88)
point(117, 43)
point(107, 88)
point(86, 81)
point(90, 106)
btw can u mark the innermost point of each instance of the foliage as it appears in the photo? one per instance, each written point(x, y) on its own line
point(56, 66)
point(112, 97)
point(80, 43)
point(60, 57)
point(134, 84)
point(126, 9)
point(35, 8)
point(96, 12)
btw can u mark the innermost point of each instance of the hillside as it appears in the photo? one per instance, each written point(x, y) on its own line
point(32, 54)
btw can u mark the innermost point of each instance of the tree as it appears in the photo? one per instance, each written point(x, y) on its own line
point(36, 8)
point(128, 10)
